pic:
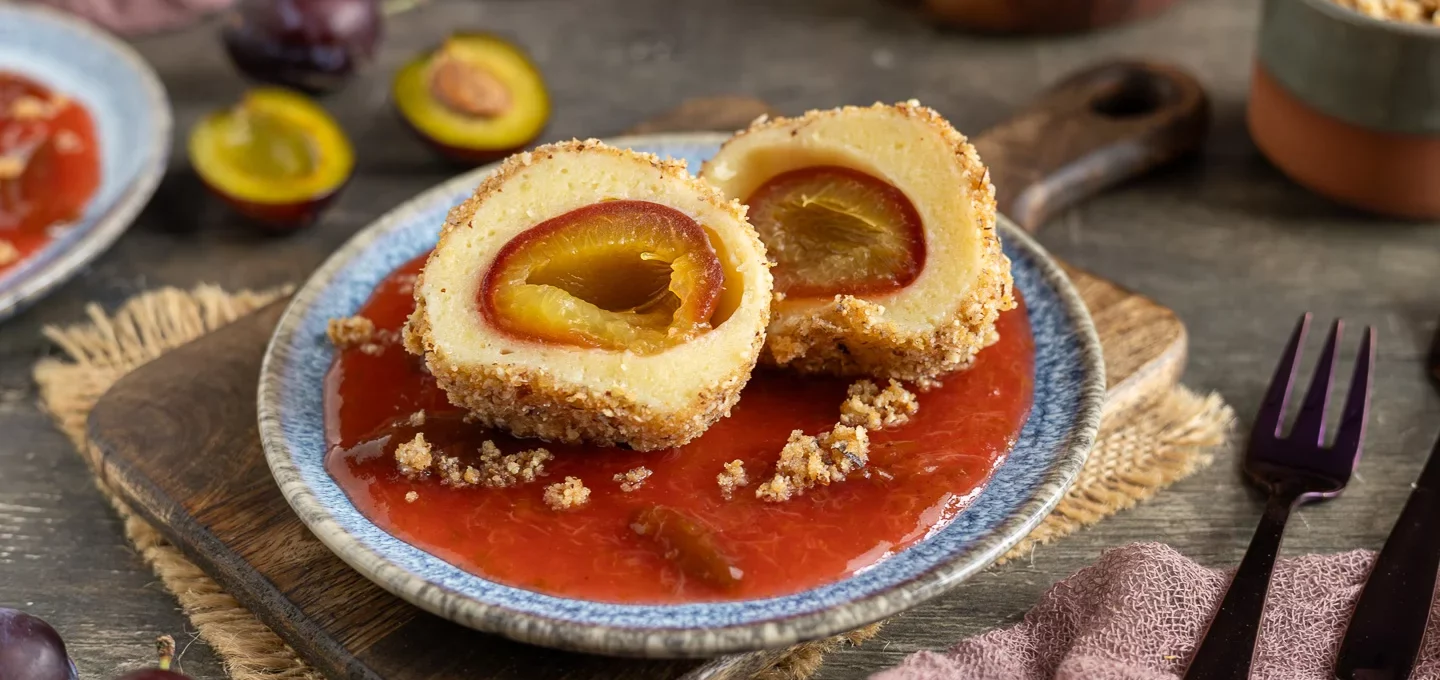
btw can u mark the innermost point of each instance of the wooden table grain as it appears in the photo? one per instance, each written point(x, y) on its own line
point(1225, 240)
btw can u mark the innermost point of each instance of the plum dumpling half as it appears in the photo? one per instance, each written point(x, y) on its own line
point(880, 221)
point(592, 294)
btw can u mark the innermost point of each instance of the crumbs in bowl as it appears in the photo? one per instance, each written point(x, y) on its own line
point(1404, 11)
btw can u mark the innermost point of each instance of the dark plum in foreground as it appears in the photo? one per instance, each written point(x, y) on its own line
point(31, 650)
point(311, 45)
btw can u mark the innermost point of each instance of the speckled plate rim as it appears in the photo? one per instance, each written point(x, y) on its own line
point(63, 257)
point(688, 630)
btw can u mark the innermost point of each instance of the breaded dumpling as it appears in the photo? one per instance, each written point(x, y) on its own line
point(881, 222)
point(588, 293)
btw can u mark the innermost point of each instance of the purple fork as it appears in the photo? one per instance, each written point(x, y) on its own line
point(1291, 470)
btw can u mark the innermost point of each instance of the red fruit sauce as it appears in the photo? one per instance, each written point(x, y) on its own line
point(49, 165)
point(932, 467)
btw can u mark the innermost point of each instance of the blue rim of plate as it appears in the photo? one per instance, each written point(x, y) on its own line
point(133, 124)
point(1057, 437)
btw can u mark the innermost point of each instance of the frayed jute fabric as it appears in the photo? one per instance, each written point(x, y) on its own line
point(1138, 453)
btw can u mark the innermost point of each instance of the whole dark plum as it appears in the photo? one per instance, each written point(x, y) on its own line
point(31, 650)
point(310, 45)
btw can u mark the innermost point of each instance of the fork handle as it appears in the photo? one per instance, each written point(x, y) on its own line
point(1229, 643)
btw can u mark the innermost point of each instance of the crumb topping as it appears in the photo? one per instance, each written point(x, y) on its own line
point(8, 253)
point(876, 409)
point(1404, 11)
point(411, 496)
point(11, 166)
point(351, 331)
point(416, 458)
point(416, 419)
point(632, 480)
point(732, 478)
point(807, 461)
point(413, 458)
point(567, 495)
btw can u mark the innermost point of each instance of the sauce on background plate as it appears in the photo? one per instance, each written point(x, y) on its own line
point(922, 475)
point(49, 165)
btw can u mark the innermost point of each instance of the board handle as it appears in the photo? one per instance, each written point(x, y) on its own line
point(1094, 129)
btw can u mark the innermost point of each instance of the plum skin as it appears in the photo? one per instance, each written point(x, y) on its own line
point(32, 649)
point(311, 45)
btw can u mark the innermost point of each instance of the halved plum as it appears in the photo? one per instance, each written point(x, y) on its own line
point(623, 275)
point(833, 230)
point(276, 157)
point(476, 98)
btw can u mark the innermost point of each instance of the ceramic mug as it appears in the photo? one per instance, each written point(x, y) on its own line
point(1349, 106)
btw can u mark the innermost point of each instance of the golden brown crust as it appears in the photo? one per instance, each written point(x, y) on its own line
point(851, 336)
point(531, 401)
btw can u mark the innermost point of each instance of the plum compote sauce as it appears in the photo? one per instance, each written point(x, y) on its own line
point(698, 546)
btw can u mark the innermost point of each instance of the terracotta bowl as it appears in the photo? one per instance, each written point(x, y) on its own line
point(1349, 106)
point(1040, 16)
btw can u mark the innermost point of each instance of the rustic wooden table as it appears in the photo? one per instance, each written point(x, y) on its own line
point(1226, 241)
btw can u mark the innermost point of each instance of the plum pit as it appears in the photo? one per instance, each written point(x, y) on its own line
point(476, 98)
point(833, 230)
point(618, 275)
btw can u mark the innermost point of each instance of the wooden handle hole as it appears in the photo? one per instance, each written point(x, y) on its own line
point(1136, 94)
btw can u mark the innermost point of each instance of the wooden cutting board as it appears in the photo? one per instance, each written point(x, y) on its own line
point(177, 438)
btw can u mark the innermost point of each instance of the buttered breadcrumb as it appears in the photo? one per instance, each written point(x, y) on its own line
point(567, 495)
point(350, 332)
point(413, 458)
point(411, 496)
point(807, 461)
point(732, 478)
point(416, 458)
point(8, 252)
point(1404, 11)
point(632, 480)
point(876, 409)
point(416, 419)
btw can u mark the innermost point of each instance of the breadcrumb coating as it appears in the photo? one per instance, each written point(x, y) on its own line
point(732, 478)
point(567, 495)
point(411, 496)
point(533, 401)
point(849, 335)
point(633, 479)
point(8, 253)
point(869, 406)
point(350, 332)
point(807, 461)
point(1405, 11)
point(413, 458)
point(416, 459)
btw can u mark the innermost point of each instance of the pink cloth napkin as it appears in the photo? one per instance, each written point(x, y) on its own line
point(1138, 612)
point(134, 17)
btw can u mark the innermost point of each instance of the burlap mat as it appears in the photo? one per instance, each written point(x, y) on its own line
point(1137, 454)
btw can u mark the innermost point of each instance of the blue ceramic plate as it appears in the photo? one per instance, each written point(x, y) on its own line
point(1069, 388)
point(132, 122)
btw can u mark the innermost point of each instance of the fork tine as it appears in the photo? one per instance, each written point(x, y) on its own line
point(1310, 425)
point(1351, 437)
point(1272, 410)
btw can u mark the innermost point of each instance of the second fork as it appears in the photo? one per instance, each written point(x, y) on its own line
point(1291, 470)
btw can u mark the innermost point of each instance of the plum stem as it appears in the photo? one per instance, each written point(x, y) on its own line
point(392, 7)
point(165, 647)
